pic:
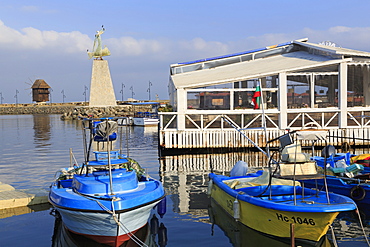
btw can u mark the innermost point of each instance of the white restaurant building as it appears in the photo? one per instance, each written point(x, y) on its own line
point(303, 84)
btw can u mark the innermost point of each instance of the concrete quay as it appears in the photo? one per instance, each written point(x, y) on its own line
point(12, 198)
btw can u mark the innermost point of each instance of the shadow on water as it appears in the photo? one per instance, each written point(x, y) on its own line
point(152, 234)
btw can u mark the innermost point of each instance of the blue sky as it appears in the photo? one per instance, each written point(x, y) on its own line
point(49, 39)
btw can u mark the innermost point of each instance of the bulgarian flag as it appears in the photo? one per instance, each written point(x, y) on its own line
point(256, 100)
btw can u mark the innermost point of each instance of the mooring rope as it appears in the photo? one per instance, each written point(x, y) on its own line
point(362, 226)
point(125, 229)
point(120, 224)
point(333, 236)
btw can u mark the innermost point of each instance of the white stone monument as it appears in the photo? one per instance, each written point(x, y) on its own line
point(101, 86)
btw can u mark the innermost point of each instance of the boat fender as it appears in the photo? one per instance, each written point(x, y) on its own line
point(357, 193)
point(154, 225)
point(209, 189)
point(162, 235)
point(236, 209)
point(161, 207)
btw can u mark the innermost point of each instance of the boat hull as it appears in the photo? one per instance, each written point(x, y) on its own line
point(102, 226)
point(142, 121)
point(360, 193)
point(310, 224)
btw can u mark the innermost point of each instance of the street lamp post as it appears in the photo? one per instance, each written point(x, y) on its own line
point(85, 89)
point(122, 86)
point(132, 92)
point(150, 84)
point(51, 90)
point(64, 96)
point(1, 97)
point(16, 97)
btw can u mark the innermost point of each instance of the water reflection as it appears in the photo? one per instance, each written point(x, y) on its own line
point(9, 212)
point(347, 226)
point(153, 234)
point(41, 127)
point(241, 235)
point(185, 177)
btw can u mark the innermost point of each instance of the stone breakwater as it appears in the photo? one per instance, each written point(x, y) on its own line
point(72, 111)
point(98, 112)
point(35, 109)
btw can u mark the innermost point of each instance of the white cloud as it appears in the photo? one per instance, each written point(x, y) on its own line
point(30, 8)
point(60, 57)
point(31, 38)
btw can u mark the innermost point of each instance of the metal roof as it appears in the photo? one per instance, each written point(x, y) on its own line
point(288, 62)
point(333, 49)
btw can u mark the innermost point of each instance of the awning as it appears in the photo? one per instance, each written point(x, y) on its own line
point(290, 62)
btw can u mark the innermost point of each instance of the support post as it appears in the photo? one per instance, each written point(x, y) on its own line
point(283, 101)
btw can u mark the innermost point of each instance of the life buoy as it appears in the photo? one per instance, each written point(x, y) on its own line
point(357, 193)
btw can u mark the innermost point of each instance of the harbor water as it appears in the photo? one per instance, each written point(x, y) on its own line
point(34, 147)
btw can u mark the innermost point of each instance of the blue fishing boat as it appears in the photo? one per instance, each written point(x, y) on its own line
point(345, 172)
point(345, 176)
point(109, 197)
point(280, 206)
point(357, 189)
point(347, 158)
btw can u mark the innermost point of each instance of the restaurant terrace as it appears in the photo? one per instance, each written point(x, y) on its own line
point(303, 85)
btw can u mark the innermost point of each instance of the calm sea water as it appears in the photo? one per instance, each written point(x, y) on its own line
point(34, 147)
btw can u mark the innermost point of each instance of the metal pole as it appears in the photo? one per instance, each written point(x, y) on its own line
point(51, 102)
point(122, 86)
point(63, 95)
point(150, 84)
point(85, 89)
point(132, 92)
point(16, 97)
point(264, 118)
point(109, 161)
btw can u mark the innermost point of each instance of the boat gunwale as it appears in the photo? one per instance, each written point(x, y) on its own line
point(104, 211)
point(311, 208)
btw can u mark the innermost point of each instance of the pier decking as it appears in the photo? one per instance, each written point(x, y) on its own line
point(12, 198)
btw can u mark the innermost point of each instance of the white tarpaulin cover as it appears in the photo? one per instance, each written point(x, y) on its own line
point(312, 135)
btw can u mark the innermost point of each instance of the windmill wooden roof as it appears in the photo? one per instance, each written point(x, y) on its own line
point(40, 83)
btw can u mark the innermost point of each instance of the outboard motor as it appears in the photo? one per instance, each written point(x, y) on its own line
point(328, 151)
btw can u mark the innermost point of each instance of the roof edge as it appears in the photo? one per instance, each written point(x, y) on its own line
point(241, 53)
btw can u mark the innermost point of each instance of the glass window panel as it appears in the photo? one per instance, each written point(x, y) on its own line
point(299, 95)
point(326, 91)
point(355, 95)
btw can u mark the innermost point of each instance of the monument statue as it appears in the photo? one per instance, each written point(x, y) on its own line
point(98, 52)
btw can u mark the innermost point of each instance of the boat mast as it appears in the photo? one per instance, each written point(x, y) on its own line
point(109, 142)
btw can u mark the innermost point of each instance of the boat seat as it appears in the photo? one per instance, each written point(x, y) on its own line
point(293, 153)
point(289, 169)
